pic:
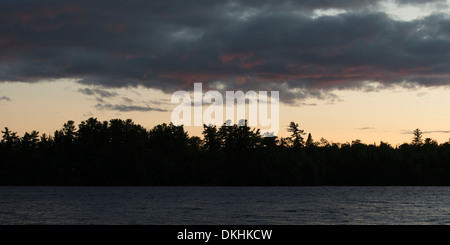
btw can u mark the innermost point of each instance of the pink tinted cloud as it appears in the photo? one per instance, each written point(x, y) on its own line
point(243, 60)
point(117, 28)
point(40, 19)
point(6, 39)
point(228, 58)
point(188, 78)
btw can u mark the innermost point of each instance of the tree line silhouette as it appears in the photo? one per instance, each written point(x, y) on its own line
point(121, 152)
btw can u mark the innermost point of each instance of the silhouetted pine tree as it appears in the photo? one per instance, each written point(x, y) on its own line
point(120, 152)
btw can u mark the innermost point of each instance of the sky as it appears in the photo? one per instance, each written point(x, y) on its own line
point(372, 70)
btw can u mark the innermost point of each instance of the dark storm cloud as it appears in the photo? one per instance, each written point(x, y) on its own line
point(419, 1)
point(254, 45)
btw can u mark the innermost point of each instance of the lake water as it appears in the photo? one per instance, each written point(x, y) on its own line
point(224, 205)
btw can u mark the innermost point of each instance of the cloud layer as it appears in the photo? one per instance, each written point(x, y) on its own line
point(5, 98)
point(251, 45)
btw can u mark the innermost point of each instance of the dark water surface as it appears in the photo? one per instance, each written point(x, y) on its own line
point(224, 205)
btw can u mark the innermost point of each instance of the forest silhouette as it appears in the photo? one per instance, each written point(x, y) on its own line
point(121, 152)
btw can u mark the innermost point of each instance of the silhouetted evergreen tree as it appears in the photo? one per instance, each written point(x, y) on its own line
point(417, 139)
point(211, 136)
point(168, 138)
point(309, 141)
point(269, 141)
point(10, 139)
point(296, 138)
point(120, 152)
point(93, 135)
point(29, 140)
point(239, 137)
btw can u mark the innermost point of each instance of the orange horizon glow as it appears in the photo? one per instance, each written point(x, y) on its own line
point(386, 115)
